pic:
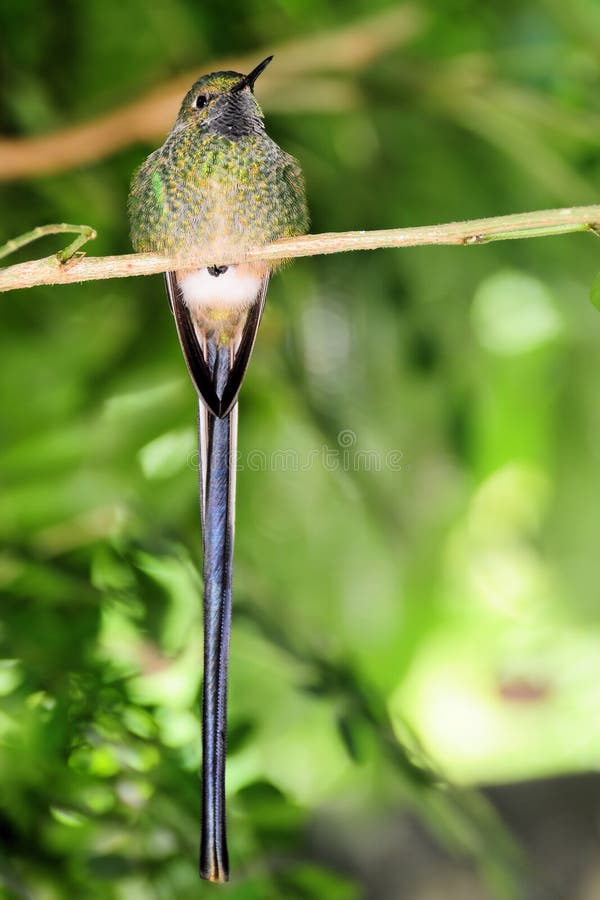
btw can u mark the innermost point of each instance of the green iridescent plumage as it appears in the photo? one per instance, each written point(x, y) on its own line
point(214, 183)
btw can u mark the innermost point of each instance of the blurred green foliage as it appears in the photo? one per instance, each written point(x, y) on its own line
point(419, 437)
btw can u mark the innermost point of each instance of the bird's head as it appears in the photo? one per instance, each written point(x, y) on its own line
point(223, 103)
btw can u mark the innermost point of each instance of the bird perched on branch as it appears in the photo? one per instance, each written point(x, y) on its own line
point(217, 187)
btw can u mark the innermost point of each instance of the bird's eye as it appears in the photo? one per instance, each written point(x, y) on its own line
point(201, 101)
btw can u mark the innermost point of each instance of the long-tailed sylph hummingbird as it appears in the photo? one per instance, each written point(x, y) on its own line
point(217, 187)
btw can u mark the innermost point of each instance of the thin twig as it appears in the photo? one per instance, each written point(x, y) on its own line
point(84, 234)
point(541, 223)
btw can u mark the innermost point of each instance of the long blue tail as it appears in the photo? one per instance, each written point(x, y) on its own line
point(217, 438)
point(216, 359)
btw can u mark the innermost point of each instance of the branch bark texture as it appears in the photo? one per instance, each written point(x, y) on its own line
point(541, 223)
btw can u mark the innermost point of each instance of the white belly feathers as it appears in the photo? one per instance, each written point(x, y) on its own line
point(224, 287)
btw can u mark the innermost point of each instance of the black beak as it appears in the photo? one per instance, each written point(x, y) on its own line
point(248, 80)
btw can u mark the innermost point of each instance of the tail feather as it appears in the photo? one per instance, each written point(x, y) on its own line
point(216, 360)
point(218, 440)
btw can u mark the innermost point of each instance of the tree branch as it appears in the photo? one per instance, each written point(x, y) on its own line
point(542, 223)
point(84, 234)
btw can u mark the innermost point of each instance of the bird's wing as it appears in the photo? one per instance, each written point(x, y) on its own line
point(193, 352)
point(219, 401)
point(243, 350)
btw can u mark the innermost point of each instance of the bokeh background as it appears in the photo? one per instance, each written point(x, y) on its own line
point(415, 678)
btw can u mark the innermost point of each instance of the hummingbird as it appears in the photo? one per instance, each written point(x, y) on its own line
point(217, 187)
